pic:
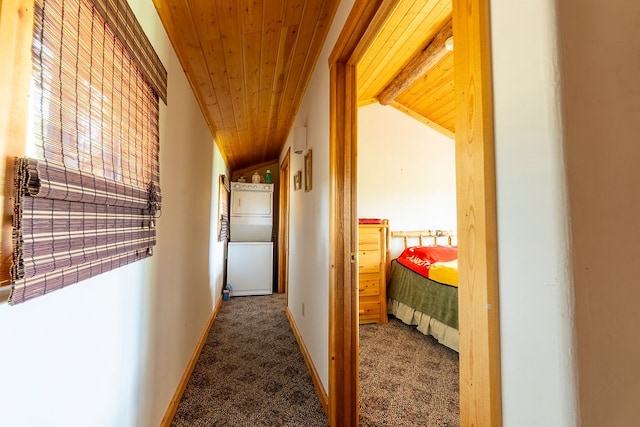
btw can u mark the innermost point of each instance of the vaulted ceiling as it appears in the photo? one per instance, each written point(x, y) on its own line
point(249, 63)
point(409, 66)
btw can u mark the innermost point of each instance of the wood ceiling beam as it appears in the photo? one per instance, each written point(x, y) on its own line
point(418, 66)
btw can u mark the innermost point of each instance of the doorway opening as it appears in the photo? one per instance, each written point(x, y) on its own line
point(480, 393)
point(283, 235)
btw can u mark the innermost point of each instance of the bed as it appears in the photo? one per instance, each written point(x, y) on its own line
point(423, 282)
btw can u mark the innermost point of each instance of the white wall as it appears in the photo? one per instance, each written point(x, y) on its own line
point(406, 172)
point(309, 232)
point(535, 284)
point(110, 351)
point(600, 63)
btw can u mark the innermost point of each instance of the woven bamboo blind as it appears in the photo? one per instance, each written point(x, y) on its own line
point(87, 200)
point(224, 190)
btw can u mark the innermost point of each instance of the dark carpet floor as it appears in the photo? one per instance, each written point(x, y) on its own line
point(251, 373)
point(406, 378)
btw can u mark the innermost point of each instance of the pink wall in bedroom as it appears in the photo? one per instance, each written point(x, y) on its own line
point(601, 86)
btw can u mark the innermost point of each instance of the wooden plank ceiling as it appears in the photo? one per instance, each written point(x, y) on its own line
point(408, 66)
point(249, 63)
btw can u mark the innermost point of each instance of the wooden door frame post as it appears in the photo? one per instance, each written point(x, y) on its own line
point(283, 225)
point(480, 378)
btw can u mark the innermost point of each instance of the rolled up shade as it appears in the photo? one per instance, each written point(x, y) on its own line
point(70, 226)
point(87, 199)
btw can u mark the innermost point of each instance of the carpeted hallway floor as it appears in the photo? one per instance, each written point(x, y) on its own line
point(251, 373)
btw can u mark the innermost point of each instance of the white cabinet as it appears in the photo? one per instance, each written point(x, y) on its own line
point(250, 268)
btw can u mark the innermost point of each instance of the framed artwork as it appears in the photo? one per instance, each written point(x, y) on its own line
point(307, 170)
point(297, 180)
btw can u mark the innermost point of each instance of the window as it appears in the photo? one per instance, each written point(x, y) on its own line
point(88, 195)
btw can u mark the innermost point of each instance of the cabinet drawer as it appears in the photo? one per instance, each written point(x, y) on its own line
point(369, 239)
point(369, 261)
point(369, 284)
point(372, 262)
point(369, 311)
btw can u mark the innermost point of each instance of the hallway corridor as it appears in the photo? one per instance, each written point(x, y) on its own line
point(250, 371)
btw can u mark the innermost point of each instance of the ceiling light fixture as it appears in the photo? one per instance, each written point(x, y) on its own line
point(448, 44)
point(299, 139)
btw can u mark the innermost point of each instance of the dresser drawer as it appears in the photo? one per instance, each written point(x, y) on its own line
point(372, 264)
point(369, 312)
point(369, 261)
point(369, 239)
point(368, 284)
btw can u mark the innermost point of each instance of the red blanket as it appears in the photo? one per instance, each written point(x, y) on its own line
point(420, 258)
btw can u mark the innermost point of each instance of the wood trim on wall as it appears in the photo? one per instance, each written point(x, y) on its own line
point(480, 393)
point(422, 119)
point(343, 313)
point(16, 35)
point(182, 385)
point(480, 380)
point(322, 394)
point(343, 297)
point(283, 234)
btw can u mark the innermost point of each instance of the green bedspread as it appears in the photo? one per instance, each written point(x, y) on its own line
point(431, 298)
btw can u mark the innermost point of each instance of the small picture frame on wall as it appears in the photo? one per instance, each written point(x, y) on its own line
point(307, 170)
point(297, 180)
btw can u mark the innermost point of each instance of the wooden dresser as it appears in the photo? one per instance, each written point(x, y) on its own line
point(373, 255)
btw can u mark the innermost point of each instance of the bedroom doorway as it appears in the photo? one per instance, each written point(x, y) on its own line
point(480, 393)
point(283, 235)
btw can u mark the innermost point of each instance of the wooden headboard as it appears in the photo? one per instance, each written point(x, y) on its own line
point(421, 235)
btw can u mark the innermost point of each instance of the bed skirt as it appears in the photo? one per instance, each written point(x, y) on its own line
point(446, 335)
